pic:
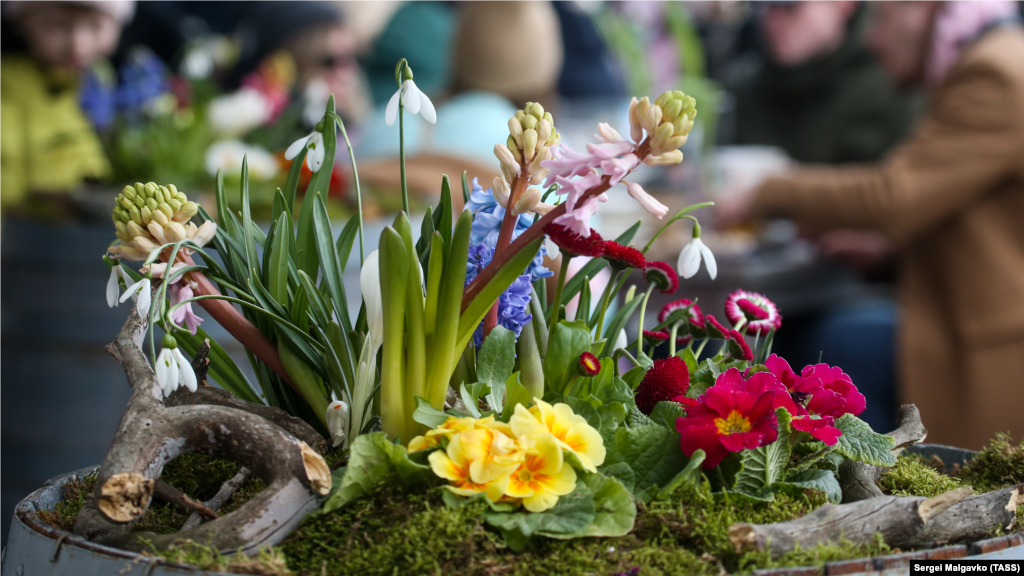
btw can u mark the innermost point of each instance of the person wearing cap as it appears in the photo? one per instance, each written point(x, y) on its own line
point(814, 89)
point(46, 143)
point(950, 199)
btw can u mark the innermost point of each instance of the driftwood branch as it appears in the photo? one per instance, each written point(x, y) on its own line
point(151, 434)
point(904, 522)
point(221, 497)
point(858, 480)
point(164, 491)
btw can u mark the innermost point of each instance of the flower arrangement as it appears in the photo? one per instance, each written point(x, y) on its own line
point(458, 370)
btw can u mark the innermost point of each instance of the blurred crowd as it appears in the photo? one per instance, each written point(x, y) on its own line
point(891, 135)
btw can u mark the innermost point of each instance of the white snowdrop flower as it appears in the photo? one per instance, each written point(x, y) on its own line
point(337, 422)
point(690, 257)
point(173, 369)
point(140, 292)
point(227, 155)
point(414, 100)
point(314, 143)
point(236, 114)
point(114, 285)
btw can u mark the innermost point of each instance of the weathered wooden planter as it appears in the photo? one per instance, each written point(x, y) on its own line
point(36, 548)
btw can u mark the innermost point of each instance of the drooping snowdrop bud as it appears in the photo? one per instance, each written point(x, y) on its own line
point(140, 292)
point(337, 422)
point(691, 255)
point(649, 203)
point(413, 99)
point(315, 150)
point(527, 201)
point(173, 369)
point(117, 278)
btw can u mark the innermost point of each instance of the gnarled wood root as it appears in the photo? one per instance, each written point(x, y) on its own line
point(151, 434)
point(859, 481)
point(904, 522)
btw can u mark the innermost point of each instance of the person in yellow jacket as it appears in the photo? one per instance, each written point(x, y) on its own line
point(46, 142)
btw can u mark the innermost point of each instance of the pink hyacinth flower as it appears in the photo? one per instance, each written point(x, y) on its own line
point(578, 220)
point(184, 316)
point(567, 163)
point(618, 168)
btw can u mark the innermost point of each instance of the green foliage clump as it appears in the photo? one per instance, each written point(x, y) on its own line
point(911, 476)
point(998, 465)
point(199, 475)
point(267, 562)
point(64, 513)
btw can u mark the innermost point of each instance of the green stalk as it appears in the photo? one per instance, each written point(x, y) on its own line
point(394, 272)
point(449, 306)
point(672, 339)
point(606, 301)
point(359, 193)
point(531, 370)
point(696, 353)
point(306, 380)
point(556, 304)
point(401, 153)
point(640, 330)
point(435, 269)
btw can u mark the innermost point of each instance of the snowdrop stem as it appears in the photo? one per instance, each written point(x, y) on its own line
point(640, 329)
point(681, 214)
point(401, 154)
point(556, 304)
point(359, 193)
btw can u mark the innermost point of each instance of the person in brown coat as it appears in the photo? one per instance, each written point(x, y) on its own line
point(950, 200)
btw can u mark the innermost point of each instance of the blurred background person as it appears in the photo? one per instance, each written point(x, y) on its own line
point(814, 89)
point(46, 143)
point(950, 199)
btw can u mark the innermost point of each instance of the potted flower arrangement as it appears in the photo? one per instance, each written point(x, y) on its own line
point(460, 391)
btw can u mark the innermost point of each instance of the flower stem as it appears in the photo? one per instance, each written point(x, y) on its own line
point(401, 153)
point(696, 353)
point(556, 304)
point(359, 194)
point(606, 301)
point(640, 330)
point(672, 339)
point(739, 324)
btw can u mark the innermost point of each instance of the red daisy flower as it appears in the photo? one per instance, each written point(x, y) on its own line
point(668, 379)
point(738, 347)
point(695, 320)
point(682, 341)
point(654, 338)
point(589, 365)
point(733, 415)
point(715, 328)
point(762, 316)
point(573, 244)
point(622, 257)
point(662, 276)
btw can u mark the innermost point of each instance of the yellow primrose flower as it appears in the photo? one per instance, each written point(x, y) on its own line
point(491, 453)
point(453, 465)
point(571, 430)
point(433, 437)
point(542, 477)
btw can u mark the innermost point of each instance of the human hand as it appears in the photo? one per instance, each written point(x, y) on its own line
point(862, 249)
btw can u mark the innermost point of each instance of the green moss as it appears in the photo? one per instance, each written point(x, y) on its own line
point(998, 465)
point(911, 476)
point(268, 562)
point(395, 531)
point(64, 513)
point(198, 475)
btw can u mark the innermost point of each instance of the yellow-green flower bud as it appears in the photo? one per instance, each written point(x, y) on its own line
point(516, 153)
point(515, 129)
point(160, 218)
point(520, 115)
point(135, 215)
point(181, 197)
point(129, 192)
point(136, 230)
point(663, 133)
point(188, 210)
point(529, 122)
point(147, 215)
point(549, 118)
point(140, 188)
point(139, 201)
point(173, 189)
point(126, 203)
point(166, 209)
point(122, 231)
point(529, 143)
point(151, 188)
point(535, 109)
point(543, 131)
point(175, 205)
point(671, 110)
point(152, 204)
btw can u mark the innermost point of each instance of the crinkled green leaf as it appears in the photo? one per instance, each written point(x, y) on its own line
point(495, 362)
point(614, 509)
point(426, 414)
point(689, 475)
point(666, 414)
point(652, 453)
point(859, 442)
point(820, 480)
point(763, 466)
point(568, 341)
point(374, 460)
point(573, 513)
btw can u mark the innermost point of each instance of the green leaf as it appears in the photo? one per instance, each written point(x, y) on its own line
point(763, 466)
point(515, 393)
point(690, 359)
point(426, 414)
point(277, 271)
point(573, 513)
point(859, 442)
point(652, 454)
point(466, 190)
point(820, 480)
point(292, 184)
point(691, 474)
point(495, 362)
point(666, 414)
point(614, 509)
point(249, 244)
point(373, 461)
point(568, 341)
point(329, 265)
point(470, 400)
point(444, 212)
point(346, 239)
point(618, 323)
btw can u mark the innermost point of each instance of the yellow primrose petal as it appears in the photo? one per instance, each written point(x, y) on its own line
point(446, 468)
point(421, 443)
point(560, 483)
point(525, 423)
point(564, 419)
point(588, 445)
point(547, 456)
point(540, 502)
point(491, 454)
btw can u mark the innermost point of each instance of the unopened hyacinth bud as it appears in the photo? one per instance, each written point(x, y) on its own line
point(146, 216)
point(531, 135)
point(527, 201)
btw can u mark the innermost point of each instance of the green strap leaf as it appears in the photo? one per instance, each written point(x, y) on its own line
point(329, 264)
point(222, 367)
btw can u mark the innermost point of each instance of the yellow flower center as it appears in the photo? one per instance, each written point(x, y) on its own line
point(525, 476)
point(732, 424)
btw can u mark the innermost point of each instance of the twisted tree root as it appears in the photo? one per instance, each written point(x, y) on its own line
point(151, 435)
point(858, 480)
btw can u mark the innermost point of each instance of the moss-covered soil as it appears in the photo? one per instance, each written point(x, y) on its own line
point(397, 531)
